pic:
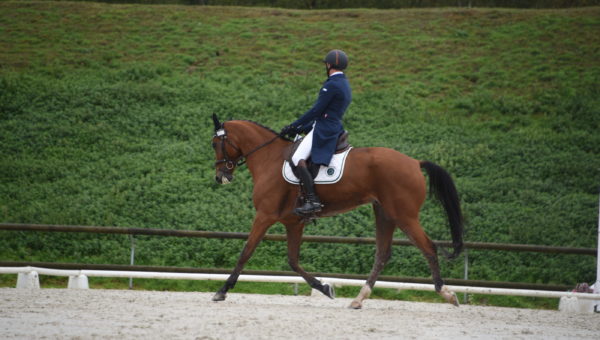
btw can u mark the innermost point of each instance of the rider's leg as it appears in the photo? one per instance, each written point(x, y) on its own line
point(312, 203)
point(303, 150)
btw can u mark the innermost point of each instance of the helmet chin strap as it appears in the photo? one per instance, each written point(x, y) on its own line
point(328, 68)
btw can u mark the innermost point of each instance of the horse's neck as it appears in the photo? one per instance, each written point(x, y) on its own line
point(252, 136)
point(266, 150)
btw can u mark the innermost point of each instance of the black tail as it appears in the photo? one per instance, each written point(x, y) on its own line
point(442, 187)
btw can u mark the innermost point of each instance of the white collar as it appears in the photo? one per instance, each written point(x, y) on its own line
point(336, 73)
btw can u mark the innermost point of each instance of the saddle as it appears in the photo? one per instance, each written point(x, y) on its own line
point(341, 146)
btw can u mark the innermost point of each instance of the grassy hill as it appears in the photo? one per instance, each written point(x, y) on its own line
point(104, 120)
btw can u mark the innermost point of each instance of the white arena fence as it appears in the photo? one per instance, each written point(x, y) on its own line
point(78, 279)
point(28, 276)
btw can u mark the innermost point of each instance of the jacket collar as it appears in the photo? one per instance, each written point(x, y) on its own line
point(337, 74)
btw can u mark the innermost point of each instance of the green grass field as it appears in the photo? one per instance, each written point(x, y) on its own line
point(105, 120)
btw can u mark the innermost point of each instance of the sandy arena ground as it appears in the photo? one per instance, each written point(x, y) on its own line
point(123, 314)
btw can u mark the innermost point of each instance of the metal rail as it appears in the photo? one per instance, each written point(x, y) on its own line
point(281, 237)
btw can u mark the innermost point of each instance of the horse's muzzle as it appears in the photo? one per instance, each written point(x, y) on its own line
point(223, 177)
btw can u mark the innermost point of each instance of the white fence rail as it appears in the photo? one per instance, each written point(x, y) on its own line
point(78, 279)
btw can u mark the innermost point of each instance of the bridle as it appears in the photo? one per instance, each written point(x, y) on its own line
point(241, 160)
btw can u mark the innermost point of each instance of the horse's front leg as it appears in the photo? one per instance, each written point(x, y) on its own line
point(259, 229)
point(294, 240)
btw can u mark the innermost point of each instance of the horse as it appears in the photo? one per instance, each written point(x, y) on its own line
point(393, 183)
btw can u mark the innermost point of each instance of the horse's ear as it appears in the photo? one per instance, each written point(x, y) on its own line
point(216, 121)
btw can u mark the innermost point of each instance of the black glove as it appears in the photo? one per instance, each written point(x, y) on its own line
point(289, 130)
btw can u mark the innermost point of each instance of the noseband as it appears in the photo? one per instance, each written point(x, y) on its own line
point(241, 160)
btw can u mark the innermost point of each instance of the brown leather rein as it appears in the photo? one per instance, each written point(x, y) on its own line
point(241, 160)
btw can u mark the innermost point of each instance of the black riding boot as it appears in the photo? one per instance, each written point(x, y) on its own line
point(312, 204)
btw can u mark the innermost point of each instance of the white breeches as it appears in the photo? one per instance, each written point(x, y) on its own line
point(303, 151)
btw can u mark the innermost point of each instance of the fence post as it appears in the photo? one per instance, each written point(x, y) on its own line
point(28, 280)
point(597, 284)
point(131, 258)
point(466, 296)
point(78, 282)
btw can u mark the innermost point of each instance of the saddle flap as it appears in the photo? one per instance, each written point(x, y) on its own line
point(313, 168)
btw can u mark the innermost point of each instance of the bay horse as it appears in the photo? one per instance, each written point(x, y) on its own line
point(389, 180)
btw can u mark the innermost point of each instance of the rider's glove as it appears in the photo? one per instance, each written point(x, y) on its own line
point(289, 130)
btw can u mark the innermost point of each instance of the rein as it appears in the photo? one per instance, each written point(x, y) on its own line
point(241, 160)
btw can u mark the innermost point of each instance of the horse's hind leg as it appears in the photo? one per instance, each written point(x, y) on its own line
point(383, 238)
point(294, 240)
point(417, 235)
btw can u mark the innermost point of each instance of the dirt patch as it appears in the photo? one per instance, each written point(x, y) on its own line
point(123, 314)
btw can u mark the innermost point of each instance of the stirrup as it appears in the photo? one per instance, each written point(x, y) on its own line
point(309, 208)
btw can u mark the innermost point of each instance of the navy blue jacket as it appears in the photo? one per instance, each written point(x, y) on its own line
point(334, 98)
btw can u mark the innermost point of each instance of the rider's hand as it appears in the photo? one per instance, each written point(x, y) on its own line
point(289, 130)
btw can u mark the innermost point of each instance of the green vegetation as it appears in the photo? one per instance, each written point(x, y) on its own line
point(105, 120)
point(331, 4)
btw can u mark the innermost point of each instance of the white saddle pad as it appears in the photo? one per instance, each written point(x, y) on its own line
point(327, 174)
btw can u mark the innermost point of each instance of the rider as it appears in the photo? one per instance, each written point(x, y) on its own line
point(323, 125)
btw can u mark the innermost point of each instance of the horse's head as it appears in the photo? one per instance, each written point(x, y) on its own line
point(227, 154)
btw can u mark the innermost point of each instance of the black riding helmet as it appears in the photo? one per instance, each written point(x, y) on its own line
point(337, 59)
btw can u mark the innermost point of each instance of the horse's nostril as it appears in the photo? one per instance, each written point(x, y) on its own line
point(217, 179)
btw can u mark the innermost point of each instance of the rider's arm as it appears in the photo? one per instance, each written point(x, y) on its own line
point(325, 96)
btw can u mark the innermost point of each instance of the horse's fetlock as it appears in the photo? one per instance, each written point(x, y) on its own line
point(316, 284)
point(439, 283)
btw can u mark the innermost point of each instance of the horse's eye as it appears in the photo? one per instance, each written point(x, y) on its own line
point(214, 145)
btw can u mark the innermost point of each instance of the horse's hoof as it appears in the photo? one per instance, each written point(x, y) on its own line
point(355, 305)
point(329, 291)
point(449, 296)
point(219, 296)
point(454, 301)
